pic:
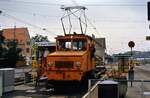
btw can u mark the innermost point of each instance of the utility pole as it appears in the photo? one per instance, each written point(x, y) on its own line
point(14, 32)
point(0, 14)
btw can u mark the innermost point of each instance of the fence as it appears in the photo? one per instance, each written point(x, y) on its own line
point(140, 89)
point(22, 77)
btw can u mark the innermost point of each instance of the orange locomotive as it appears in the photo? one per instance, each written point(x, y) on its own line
point(73, 59)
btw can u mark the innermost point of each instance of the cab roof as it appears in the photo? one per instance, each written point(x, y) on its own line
point(67, 53)
point(74, 36)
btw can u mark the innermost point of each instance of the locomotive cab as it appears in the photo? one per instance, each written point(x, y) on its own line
point(73, 44)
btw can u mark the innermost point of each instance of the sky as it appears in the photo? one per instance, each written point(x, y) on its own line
point(119, 21)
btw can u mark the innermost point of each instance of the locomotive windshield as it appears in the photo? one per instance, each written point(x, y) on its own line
point(75, 45)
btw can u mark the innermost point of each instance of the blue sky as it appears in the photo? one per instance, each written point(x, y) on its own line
point(119, 21)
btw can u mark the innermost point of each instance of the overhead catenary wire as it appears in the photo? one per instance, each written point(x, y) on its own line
point(74, 2)
point(86, 19)
point(120, 5)
point(87, 5)
point(28, 13)
point(48, 16)
point(100, 5)
point(94, 27)
point(31, 3)
point(100, 20)
point(27, 23)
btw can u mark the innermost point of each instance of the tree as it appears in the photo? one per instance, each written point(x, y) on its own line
point(40, 38)
point(9, 53)
point(3, 50)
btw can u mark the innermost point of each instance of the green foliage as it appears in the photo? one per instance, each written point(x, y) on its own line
point(9, 53)
point(40, 38)
point(3, 51)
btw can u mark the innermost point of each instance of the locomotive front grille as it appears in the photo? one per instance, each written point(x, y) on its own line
point(63, 64)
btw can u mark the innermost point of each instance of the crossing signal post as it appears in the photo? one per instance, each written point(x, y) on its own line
point(131, 44)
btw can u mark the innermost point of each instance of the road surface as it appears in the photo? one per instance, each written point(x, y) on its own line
point(141, 73)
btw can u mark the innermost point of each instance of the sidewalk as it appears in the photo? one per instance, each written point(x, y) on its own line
point(134, 91)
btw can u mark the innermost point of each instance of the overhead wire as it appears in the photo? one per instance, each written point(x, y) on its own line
point(106, 5)
point(94, 27)
point(27, 23)
point(79, 17)
point(51, 4)
point(75, 3)
point(31, 3)
point(39, 3)
point(104, 20)
point(120, 5)
point(29, 13)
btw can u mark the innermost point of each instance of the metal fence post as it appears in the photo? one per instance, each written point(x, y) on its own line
point(89, 87)
point(89, 84)
point(24, 78)
point(142, 89)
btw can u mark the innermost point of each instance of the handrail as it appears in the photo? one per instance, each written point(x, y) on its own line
point(88, 94)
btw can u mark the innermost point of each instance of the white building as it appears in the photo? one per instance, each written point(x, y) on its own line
point(100, 45)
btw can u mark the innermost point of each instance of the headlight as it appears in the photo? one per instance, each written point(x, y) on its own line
point(78, 64)
point(50, 63)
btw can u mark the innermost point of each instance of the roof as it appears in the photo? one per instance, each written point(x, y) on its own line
point(68, 53)
point(108, 82)
point(73, 36)
point(122, 55)
point(45, 43)
point(16, 33)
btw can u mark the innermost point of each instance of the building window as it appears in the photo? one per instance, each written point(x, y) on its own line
point(28, 42)
point(27, 50)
